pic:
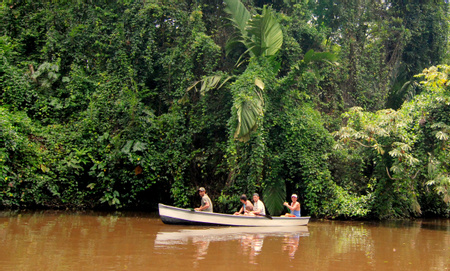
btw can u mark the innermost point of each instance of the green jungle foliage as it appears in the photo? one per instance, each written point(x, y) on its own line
point(408, 150)
point(124, 104)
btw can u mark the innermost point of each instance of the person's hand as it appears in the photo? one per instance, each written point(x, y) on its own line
point(197, 209)
point(286, 204)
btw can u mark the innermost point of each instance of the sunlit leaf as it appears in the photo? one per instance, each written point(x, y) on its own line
point(441, 135)
point(266, 36)
point(396, 169)
point(44, 168)
point(379, 149)
point(248, 112)
point(209, 82)
point(395, 153)
point(259, 83)
point(239, 14)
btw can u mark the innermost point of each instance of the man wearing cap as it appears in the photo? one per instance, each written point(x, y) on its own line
point(258, 206)
point(294, 207)
point(206, 201)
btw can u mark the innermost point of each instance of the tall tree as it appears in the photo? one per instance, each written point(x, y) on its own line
point(427, 43)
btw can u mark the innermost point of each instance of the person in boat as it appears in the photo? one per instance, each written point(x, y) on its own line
point(206, 201)
point(294, 207)
point(258, 206)
point(247, 206)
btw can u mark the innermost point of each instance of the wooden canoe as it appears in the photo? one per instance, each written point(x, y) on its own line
point(174, 215)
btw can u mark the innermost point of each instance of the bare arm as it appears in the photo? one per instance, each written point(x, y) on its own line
point(240, 211)
point(289, 206)
point(293, 208)
point(204, 207)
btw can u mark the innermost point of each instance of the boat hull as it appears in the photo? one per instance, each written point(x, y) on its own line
point(174, 215)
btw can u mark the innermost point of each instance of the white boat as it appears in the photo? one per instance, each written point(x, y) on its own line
point(174, 215)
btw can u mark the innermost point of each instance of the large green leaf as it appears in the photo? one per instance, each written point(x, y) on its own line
point(274, 196)
point(209, 82)
point(266, 36)
point(249, 109)
point(239, 14)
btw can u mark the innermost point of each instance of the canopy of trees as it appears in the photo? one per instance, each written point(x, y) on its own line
point(125, 104)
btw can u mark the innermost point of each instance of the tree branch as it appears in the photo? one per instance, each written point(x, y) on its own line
point(389, 175)
point(360, 143)
point(415, 175)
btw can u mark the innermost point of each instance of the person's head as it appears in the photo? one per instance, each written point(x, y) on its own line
point(294, 197)
point(255, 197)
point(243, 199)
point(201, 191)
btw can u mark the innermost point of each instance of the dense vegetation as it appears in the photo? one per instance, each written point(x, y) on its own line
point(129, 103)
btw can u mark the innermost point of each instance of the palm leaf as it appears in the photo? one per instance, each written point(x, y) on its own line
point(249, 109)
point(239, 14)
point(274, 196)
point(265, 34)
point(209, 82)
point(235, 43)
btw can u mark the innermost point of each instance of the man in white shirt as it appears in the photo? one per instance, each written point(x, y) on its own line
point(258, 206)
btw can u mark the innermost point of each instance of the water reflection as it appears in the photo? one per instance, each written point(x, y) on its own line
point(249, 239)
point(201, 249)
point(182, 236)
point(251, 246)
point(290, 244)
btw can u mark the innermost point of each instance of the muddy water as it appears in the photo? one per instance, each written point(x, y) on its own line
point(59, 240)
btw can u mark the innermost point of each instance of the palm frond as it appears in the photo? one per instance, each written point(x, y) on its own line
point(239, 14)
point(266, 36)
point(209, 82)
point(274, 196)
point(249, 109)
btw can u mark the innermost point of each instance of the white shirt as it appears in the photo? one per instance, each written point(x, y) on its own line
point(259, 205)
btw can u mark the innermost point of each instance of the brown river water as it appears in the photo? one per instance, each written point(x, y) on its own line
point(59, 240)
